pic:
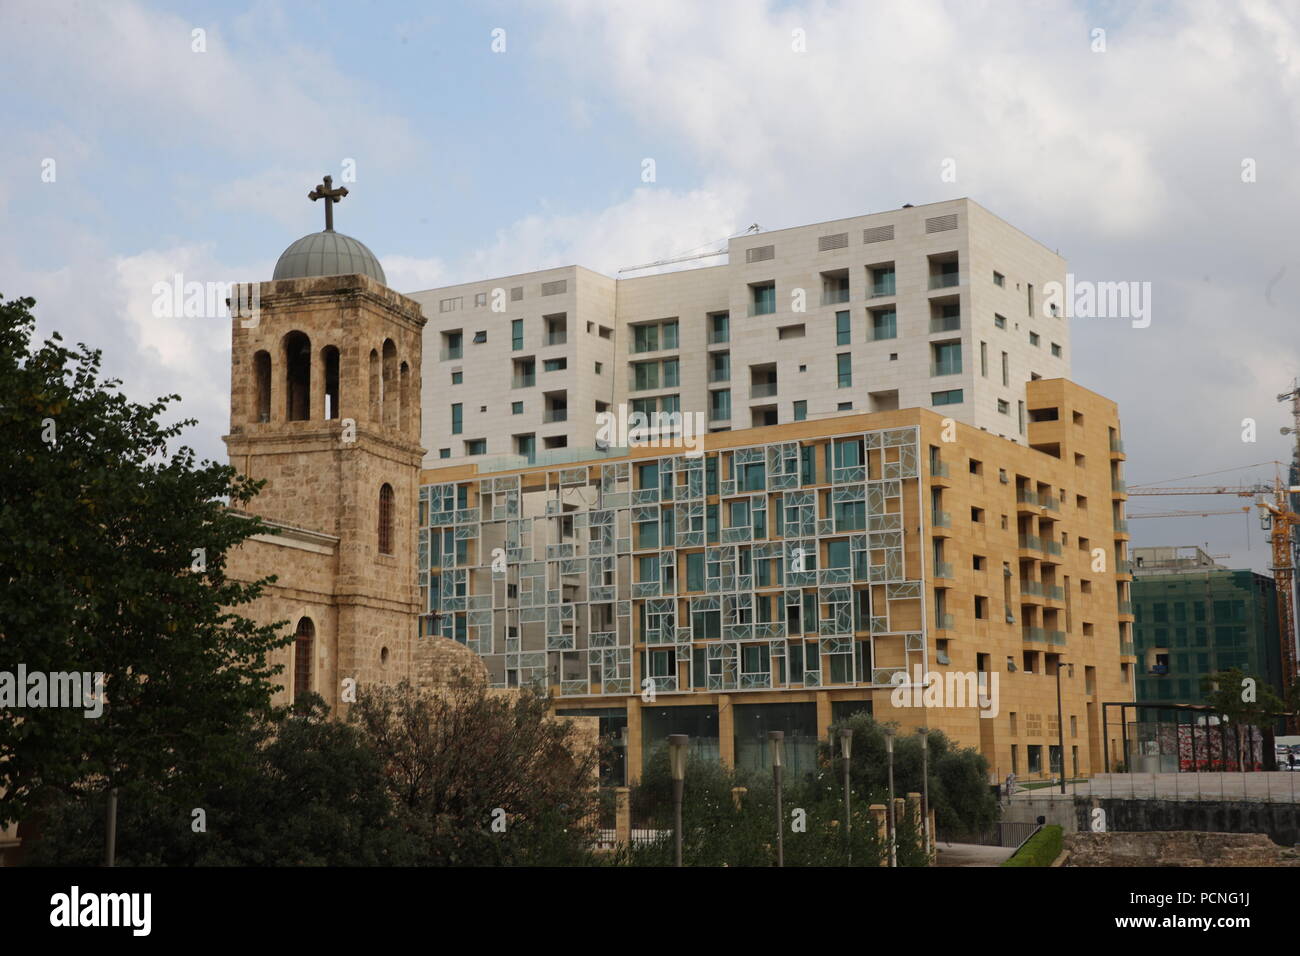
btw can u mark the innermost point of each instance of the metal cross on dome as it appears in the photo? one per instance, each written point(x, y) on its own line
point(331, 195)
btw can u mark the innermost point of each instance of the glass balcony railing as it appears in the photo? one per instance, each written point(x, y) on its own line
point(762, 308)
point(1031, 587)
point(1051, 547)
point(1123, 566)
point(556, 415)
point(1125, 607)
point(1119, 487)
point(1126, 649)
point(1030, 542)
point(762, 389)
point(1034, 634)
point(523, 381)
point(938, 469)
point(882, 288)
point(835, 296)
point(557, 338)
point(945, 368)
point(1050, 503)
point(1056, 637)
point(448, 354)
point(1027, 497)
point(945, 280)
point(1121, 525)
point(944, 622)
point(1116, 445)
point(1054, 591)
point(945, 323)
point(943, 569)
point(941, 519)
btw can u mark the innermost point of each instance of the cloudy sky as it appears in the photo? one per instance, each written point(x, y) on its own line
point(1163, 150)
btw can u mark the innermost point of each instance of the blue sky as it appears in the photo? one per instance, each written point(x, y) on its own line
point(471, 162)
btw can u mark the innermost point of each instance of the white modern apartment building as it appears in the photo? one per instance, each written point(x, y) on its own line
point(939, 306)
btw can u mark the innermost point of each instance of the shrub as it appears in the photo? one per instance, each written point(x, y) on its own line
point(1040, 849)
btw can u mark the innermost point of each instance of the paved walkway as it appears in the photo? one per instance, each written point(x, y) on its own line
point(971, 854)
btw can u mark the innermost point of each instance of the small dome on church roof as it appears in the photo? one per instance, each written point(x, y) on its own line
point(328, 253)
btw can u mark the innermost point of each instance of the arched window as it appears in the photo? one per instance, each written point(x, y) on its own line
point(405, 420)
point(390, 382)
point(262, 386)
point(330, 359)
point(302, 657)
point(386, 519)
point(297, 365)
point(374, 385)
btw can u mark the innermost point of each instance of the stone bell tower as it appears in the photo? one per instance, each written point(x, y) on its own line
point(325, 406)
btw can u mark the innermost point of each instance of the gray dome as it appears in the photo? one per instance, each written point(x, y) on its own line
point(328, 254)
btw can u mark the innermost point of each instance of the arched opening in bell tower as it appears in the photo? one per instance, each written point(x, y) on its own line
point(262, 386)
point(330, 359)
point(297, 380)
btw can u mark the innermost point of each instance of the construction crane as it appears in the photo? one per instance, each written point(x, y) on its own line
point(689, 256)
point(1188, 514)
point(1241, 491)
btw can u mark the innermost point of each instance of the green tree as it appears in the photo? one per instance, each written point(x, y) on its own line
point(1244, 701)
point(481, 778)
point(310, 792)
point(115, 563)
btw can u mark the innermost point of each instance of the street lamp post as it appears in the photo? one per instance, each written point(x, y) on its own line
point(776, 742)
point(846, 751)
point(925, 790)
point(893, 841)
point(1060, 726)
point(677, 763)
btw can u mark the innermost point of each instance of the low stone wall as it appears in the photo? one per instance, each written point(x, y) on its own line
point(1176, 848)
point(1278, 821)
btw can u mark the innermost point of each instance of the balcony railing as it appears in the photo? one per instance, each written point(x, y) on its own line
point(523, 381)
point(938, 469)
point(1030, 542)
point(762, 308)
point(1027, 497)
point(941, 519)
point(945, 323)
point(1119, 487)
point(943, 569)
point(1054, 591)
point(944, 622)
point(447, 355)
point(762, 389)
point(719, 338)
point(1034, 634)
point(1124, 566)
point(719, 375)
point(556, 415)
point(882, 289)
point(945, 280)
point(1031, 587)
point(1056, 637)
point(1051, 547)
point(835, 296)
point(1125, 607)
point(556, 338)
point(1050, 503)
point(1126, 649)
point(1116, 445)
point(944, 368)
point(1121, 525)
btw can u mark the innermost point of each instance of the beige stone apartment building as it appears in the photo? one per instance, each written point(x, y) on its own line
point(937, 306)
point(793, 574)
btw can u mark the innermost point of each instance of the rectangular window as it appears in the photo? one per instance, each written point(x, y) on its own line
point(516, 408)
point(645, 375)
point(719, 328)
point(947, 358)
point(1006, 371)
point(720, 405)
point(456, 420)
point(670, 373)
point(800, 411)
point(842, 333)
point(844, 370)
point(670, 335)
point(999, 279)
point(555, 365)
point(516, 334)
point(457, 378)
point(884, 324)
point(984, 359)
point(952, 396)
point(1000, 321)
point(1056, 350)
point(763, 299)
point(645, 338)
point(476, 446)
point(695, 571)
point(719, 366)
point(1033, 339)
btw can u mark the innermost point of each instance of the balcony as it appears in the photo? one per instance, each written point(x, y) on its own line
point(882, 287)
point(940, 519)
point(835, 296)
point(945, 280)
point(1025, 497)
point(1030, 542)
point(939, 470)
point(762, 389)
point(945, 323)
point(1121, 526)
point(1031, 588)
point(1118, 487)
point(1123, 566)
point(1054, 591)
point(938, 369)
point(944, 622)
point(1056, 637)
point(523, 381)
point(1125, 607)
point(447, 355)
point(1051, 547)
point(1126, 649)
point(557, 338)
point(1034, 635)
point(1116, 446)
point(556, 415)
point(943, 569)
point(1050, 503)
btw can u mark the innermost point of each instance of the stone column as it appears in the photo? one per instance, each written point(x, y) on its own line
point(726, 732)
point(623, 815)
point(633, 755)
point(879, 814)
